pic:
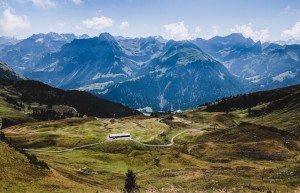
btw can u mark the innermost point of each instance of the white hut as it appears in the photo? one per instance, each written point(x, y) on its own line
point(119, 136)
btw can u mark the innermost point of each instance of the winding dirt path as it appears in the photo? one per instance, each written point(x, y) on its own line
point(94, 144)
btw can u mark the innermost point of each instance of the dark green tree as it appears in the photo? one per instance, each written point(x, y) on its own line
point(130, 182)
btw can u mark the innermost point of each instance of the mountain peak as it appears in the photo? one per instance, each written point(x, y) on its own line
point(106, 36)
point(232, 39)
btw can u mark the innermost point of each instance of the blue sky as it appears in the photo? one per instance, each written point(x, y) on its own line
point(266, 20)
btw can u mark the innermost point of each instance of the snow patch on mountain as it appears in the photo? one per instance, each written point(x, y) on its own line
point(97, 76)
point(294, 56)
point(108, 75)
point(161, 70)
point(49, 68)
point(39, 40)
point(96, 86)
point(127, 70)
point(162, 100)
point(281, 77)
point(221, 75)
point(254, 79)
point(133, 79)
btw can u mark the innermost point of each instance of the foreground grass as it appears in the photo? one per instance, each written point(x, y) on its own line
point(207, 160)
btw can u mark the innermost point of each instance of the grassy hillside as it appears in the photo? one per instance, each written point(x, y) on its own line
point(240, 151)
point(26, 101)
point(18, 175)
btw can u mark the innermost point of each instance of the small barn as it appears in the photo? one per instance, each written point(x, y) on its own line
point(119, 136)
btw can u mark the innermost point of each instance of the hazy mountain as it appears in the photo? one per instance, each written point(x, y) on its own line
point(6, 41)
point(259, 66)
point(287, 42)
point(86, 64)
point(141, 49)
point(24, 55)
point(137, 72)
point(179, 78)
point(143, 72)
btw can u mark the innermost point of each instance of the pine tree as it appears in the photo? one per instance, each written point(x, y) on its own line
point(130, 182)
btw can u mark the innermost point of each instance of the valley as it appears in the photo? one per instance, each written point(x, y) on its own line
point(231, 152)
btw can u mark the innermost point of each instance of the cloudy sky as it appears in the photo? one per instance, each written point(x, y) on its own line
point(266, 20)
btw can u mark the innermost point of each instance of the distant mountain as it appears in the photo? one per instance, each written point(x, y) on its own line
point(259, 66)
point(288, 42)
point(24, 55)
point(141, 50)
point(181, 77)
point(6, 41)
point(120, 69)
point(176, 74)
point(86, 64)
point(8, 73)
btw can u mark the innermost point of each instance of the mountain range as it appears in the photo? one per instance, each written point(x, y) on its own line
point(23, 55)
point(259, 66)
point(141, 72)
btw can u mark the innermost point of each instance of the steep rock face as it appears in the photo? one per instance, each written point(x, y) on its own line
point(182, 77)
point(258, 66)
point(8, 73)
point(24, 55)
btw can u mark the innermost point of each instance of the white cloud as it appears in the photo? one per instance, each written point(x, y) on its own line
point(176, 31)
point(11, 24)
point(293, 33)
point(61, 24)
point(44, 3)
point(196, 34)
point(247, 31)
point(98, 23)
point(124, 25)
point(215, 30)
point(77, 27)
point(77, 2)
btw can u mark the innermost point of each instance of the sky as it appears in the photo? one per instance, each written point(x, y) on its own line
point(265, 20)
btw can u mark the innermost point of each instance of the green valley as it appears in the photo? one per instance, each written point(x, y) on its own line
point(234, 152)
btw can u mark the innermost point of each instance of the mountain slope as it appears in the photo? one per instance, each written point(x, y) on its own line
point(7, 73)
point(259, 66)
point(180, 78)
point(27, 101)
point(278, 107)
point(24, 55)
point(85, 62)
point(6, 41)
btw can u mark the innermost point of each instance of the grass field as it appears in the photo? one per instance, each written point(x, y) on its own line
point(221, 156)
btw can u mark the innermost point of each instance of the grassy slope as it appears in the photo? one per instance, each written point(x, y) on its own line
point(8, 112)
point(17, 175)
point(224, 155)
